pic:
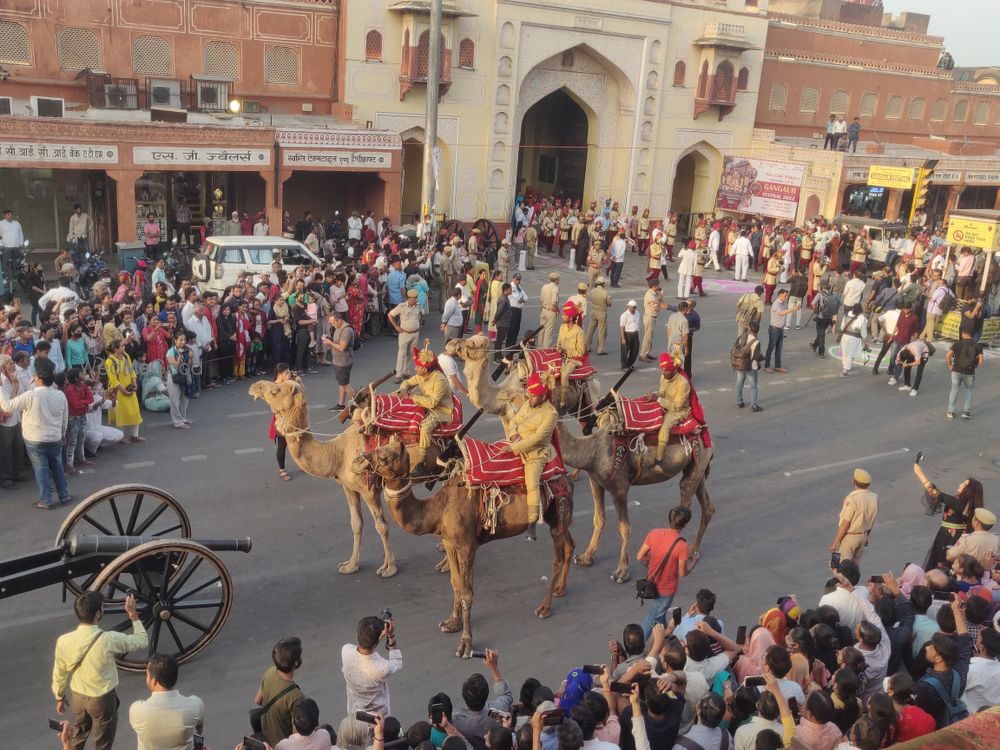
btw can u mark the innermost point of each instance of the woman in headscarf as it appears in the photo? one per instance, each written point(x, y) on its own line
point(227, 343)
point(913, 575)
point(279, 330)
point(751, 663)
point(956, 518)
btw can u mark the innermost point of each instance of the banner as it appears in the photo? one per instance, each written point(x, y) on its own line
point(756, 186)
point(972, 232)
point(948, 327)
point(185, 155)
point(337, 159)
point(67, 153)
point(897, 178)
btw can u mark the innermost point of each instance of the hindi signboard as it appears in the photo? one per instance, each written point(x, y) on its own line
point(186, 156)
point(339, 159)
point(896, 178)
point(54, 153)
point(757, 186)
point(973, 232)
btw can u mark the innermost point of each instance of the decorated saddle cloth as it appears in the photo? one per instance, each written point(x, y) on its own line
point(396, 414)
point(644, 416)
point(495, 465)
point(545, 360)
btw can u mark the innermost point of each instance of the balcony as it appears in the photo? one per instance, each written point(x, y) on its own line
point(413, 67)
point(724, 35)
point(198, 94)
point(716, 90)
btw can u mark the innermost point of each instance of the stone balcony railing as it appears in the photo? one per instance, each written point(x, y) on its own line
point(718, 30)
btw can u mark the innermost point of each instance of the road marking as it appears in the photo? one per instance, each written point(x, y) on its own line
point(723, 390)
point(802, 380)
point(829, 375)
point(265, 412)
point(712, 362)
point(199, 457)
point(244, 451)
point(778, 382)
point(139, 465)
point(849, 461)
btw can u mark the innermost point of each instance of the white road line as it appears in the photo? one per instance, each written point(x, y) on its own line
point(829, 375)
point(244, 451)
point(723, 390)
point(848, 462)
point(139, 465)
point(802, 380)
point(264, 412)
point(199, 457)
point(778, 382)
point(712, 362)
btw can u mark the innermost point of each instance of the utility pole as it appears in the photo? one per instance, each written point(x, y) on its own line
point(427, 193)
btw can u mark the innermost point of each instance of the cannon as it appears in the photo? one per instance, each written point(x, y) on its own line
point(135, 539)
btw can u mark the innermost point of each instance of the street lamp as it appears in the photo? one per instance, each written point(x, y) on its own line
point(235, 105)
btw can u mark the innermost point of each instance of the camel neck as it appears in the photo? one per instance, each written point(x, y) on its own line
point(578, 452)
point(416, 516)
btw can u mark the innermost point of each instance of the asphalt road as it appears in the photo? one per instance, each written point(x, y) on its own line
point(777, 481)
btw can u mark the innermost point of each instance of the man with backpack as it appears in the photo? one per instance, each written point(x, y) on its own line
point(745, 357)
point(940, 301)
point(939, 691)
point(825, 305)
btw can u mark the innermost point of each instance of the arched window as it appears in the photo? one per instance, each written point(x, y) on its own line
point(151, 56)
point(961, 112)
point(15, 48)
point(894, 107)
point(467, 54)
point(939, 110)
point(744, 79)
point(779, 97)
point(373, 46)
point(423, 54)
point(916, 111)
point(78, 49)
point(567, 58)
point(724, 81)
point(982, 114)
point(839, 102)
point(680, 70)
point(868, 104)
point(703, 81)
point(281, 66)
point(809, 99)
point(221, 59)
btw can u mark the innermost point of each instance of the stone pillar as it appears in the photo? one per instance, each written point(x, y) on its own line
point(392, 195)
point(996, 202)
point(273, 212)
point(125, 180)
point(893, 203)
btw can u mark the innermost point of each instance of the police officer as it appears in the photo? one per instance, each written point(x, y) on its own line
point(600, 303)
point(857, 517)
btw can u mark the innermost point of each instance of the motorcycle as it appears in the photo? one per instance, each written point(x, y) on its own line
point(18, 267)
point(93, 269)
point(178, 259)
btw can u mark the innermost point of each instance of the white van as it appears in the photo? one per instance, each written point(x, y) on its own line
point(222, 259)
point(879, 233)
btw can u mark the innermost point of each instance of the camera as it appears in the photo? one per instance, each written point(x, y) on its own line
point(385, 615)
point(477, 654)
point(919, 457)
point(754, 681)
point(834, 560)
point(496, 713)
point(621, 688)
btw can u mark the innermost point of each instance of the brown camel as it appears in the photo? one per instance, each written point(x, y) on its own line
point(454, 517)
point(328, 460)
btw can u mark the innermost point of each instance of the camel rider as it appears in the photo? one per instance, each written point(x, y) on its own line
point(530, 435)
point(434, 397)
point(675, 400)
point(572, 344)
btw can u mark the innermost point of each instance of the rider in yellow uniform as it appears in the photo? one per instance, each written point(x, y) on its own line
point(530, 435)
point(572, 343)
point(434, 396)
point(675, 400)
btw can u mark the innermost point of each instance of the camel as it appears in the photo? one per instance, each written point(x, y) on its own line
point(328, 460)
point(453, 516)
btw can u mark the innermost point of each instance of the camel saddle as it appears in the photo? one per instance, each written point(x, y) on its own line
point(644, 416)
point(545, 360)
point(400, 416)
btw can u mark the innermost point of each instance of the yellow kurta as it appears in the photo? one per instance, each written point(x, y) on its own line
point(120, 373)
point(435, 397)
point(674, 398)
point(774, 264)
point(496, 290)
point(655, 253)
point(573, 343)
point(534, 426)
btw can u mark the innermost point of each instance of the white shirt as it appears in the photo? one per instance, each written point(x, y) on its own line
point(850, 607)
point(367, 676)
point(166, 720)
point(58, 294)
point(742, 247)
point(746, 735)
point(517, 297)
point(688, 258)
point(713, 240)
point(840, 126)
point(6, 387)
point(354, 225)
point(618, 247)
point(56, 355)
point(709, 667)
point(452, 315)
point(202, 330)
point(260, 228)
point(982, 688)
point(450, 368)
point(11, 234)
point(888, 321)
point(629, 321)
point(45, 413)
point(853, 290)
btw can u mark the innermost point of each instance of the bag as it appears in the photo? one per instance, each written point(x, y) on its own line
point(947, 301)
point(72, 671)
point(739, 354)
point(645, 588)
point(257, 712)
point(954, 708)
point(180, 378)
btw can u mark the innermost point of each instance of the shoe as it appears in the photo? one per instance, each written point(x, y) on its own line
point(788, 328)
point(913, 392)
point(812, 345)
point(780, 369)
point(903, 388)
point(844, 374)
point(182, 427)
point(950, 414)
point(798, 328)
point(892, 381)
point(768, 369)
point(71, 470)
point(66, 500)
point(42, 506)
point(740, 404)
point(601, 354)
point(756, 408)
point(875, 371)
point(966, 415)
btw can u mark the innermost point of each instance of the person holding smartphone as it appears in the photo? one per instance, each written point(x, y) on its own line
point(366, 672)
point(475, 720)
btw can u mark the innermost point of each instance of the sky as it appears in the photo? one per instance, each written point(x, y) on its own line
point(961, 23)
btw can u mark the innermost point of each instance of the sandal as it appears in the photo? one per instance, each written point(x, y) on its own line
point(138, 439)
point(284, 475)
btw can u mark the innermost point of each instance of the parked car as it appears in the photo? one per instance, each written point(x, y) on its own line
point(222, 259)
point(879, 234)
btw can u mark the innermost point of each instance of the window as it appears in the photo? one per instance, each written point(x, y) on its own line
point(916, 111)
point(703, 81)
point(547, 169)
point(779, 96)
point(227, 255)
point(78, 49)
point(151, 56)
point(939, 110)
point(467, 54)
point(14, 45)
point(567, 59)
point(982, 115)
point(295, 256)
point(221, 59)
point(680, 69)
point(261, 256)
point(839, 102)
point(868, 103)
point(373, 46)
point(894, 108)
point(281, 66)
point(809, 99)
point(724, 82)
point(744, 79)
point(961, 112)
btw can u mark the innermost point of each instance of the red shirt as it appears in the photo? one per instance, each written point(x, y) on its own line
point(906, 328)
point(79, 398)
point(913, 722)
point(659, 541)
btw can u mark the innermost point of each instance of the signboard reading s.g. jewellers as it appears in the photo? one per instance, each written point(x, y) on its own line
point(55, 153)
point(333, 158)
point(186, 155)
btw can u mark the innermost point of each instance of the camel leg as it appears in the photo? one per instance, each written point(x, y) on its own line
point(466, 566)
point(621, 573)
point(374, 503)
point(587, 558)
point(707, 511)
point(441, 567)
point(357, 524)
point(568, 545)
point(453, 623)
point(559, 548)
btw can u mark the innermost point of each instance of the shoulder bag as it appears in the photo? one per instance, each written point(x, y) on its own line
point(645, 588)
point(257, 712)
point(79, 663)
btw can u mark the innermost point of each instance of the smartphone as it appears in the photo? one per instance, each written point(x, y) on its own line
point(477, 654)
point(364, 716)
point(496, 713)
point(621, 688)
point(437, 714)
point(593, 669)
point(741, 635)
point(55, 725)
point(249, 743)
point(943, 596)
point(677, 614)
point(876, 579)
point(754, 681)
point(553, 718)
point(919, 457)
point(834, 560)
point(996, 565)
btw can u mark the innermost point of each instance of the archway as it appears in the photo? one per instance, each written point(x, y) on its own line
point(552, 152)
point(813, 208)
point(413, 176)
point(690, 181)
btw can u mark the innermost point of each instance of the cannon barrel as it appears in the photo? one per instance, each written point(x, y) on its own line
point(116, 545)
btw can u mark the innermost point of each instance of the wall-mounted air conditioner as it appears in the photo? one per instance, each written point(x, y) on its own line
point(44, 106)
point(164, 92)
point(121, 94)
point(211, 93)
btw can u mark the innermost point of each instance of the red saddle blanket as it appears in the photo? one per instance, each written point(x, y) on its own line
point(397, 414)
point(542, 360)
point(494, 464)
point(645, 416)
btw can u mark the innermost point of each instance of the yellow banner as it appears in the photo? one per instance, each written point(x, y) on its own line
point(974, 233)
point(899, 178)
point(947, 326)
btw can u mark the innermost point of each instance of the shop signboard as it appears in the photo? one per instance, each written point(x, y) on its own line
point(982, 177)
point(895, 178)
point(55, 153)
point(352, 160)
point(188, 156)
point(857, 174)
point(973, 232)
point(947, 176)
point(756, 186)
point(948, 326)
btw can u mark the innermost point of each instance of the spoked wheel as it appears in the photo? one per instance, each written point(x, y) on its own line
point(489, 237)
point(123, 510)
point(453, 228)
point(183, 595)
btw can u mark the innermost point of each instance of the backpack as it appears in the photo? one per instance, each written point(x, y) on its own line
point(824, 307)
point(739, 354)
point(947, 301)
point(954, 708)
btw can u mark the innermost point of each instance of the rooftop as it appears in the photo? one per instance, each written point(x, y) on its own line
point(881, 32)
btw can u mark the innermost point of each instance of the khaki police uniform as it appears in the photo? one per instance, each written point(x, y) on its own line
point(549, 299)
point(600, 302)
point(531, 243)
point(572, 343)
point(434, 396)
point(859, 511)
point(408, 318)
point(650, 309)
point(533, 427)
point(674, 398)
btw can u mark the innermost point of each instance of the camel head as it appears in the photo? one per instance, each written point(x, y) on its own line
point(609, 418)
point(389, 461)
point(472, 349)
point(284, 398)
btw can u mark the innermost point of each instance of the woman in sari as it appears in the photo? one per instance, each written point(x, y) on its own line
point(479, 299)
point(496, 291)
point(122, 389)
point(751, 663)
point(357, 296)
point(157, 341)
point(956, 517)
